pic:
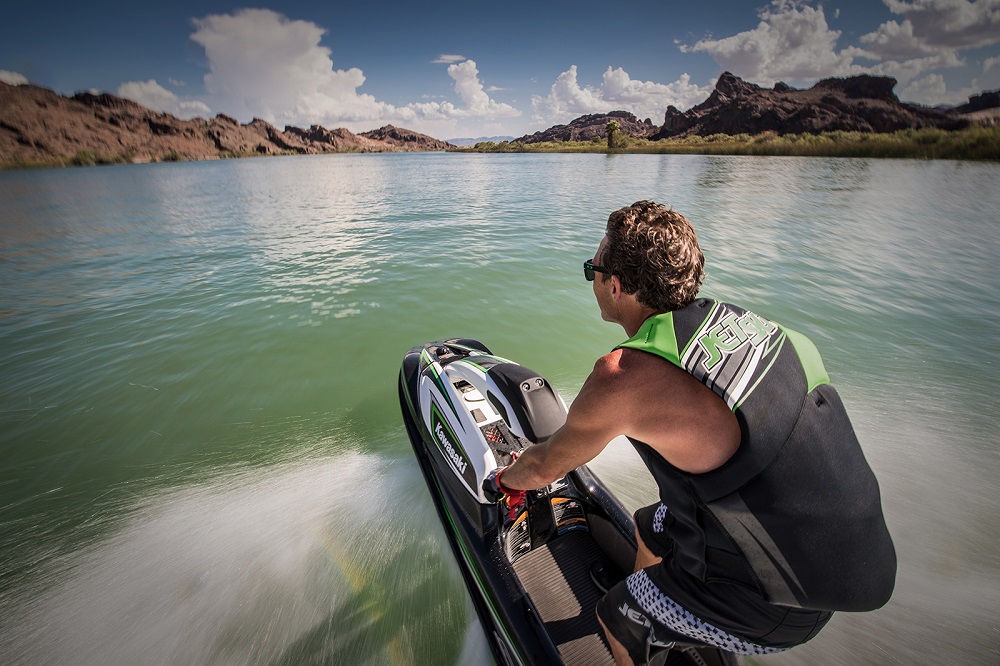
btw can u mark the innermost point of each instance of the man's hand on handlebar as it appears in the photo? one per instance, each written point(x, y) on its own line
point(494, 491)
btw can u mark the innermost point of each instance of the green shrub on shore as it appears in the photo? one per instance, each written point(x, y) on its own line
point(974, 143)
point(80, 158)
point(92, 157)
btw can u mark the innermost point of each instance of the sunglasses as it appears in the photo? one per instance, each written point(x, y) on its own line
point(590, 269)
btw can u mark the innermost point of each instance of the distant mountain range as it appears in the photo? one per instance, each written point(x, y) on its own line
point(38, 125)
point(858, 103)
point(465, 141)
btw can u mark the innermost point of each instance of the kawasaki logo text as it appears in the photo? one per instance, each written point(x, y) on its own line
point(456, 458)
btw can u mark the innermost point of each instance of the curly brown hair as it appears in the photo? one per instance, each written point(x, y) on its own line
point(654, 251)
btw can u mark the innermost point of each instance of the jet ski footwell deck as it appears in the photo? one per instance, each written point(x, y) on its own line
point(557, 578)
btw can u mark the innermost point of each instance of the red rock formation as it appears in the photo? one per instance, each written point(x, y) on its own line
point(321, 140)
point(858, 103)
point(37, 125)
point(406, 139)
point(586, 128)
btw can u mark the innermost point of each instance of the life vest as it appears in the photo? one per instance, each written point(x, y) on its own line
point(796, 512)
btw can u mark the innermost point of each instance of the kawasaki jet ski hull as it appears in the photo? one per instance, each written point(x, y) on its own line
point(466, 412)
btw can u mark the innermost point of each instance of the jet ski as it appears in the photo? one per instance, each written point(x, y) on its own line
point(529, 569)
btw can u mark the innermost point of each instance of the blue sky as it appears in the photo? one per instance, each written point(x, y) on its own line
point(487, 68)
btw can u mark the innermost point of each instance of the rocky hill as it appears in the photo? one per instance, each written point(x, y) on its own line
point(858, 103)
point(983, 109)
point(586, 128)
point(405, 139)
point(38, 125)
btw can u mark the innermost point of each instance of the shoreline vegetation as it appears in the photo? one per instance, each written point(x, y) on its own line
point(972, 143)
point(98, 158)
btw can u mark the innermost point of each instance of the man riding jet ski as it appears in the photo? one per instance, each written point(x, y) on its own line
point(769, 517)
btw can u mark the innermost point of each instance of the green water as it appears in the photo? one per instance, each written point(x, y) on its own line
point(203, 460)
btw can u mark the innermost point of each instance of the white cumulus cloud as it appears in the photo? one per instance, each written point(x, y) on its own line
point(931, 89)
point(990, 78)
point(12, 78)
point(792, 42)
point(646, 98)
point(894, 40)
point(263, 64)
point(154, 96)
point(447, 59)
point(948, 23)
point(907, 70)
point(934, 27)
point(567, 99)
point(467, 85)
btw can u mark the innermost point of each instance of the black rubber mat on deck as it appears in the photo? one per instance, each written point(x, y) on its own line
point(557, 578)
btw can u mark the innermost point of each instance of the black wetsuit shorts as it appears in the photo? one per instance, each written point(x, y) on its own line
point(662, 606)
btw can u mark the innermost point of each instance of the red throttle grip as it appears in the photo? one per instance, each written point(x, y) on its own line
point(516, 499)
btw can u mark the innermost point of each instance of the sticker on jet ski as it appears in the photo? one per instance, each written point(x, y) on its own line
point(450, 447)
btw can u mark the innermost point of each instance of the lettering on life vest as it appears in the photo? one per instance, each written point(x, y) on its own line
point(732, 333)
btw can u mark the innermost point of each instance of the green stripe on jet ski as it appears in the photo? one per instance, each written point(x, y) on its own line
point(425, 359)
point(436, 378)
point(470, 562)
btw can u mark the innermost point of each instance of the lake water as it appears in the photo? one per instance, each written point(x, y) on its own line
point(202, 454)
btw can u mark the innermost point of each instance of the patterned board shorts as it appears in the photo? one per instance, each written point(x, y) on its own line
point(644, 619)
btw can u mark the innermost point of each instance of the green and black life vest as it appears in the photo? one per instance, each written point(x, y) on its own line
point(796, 512)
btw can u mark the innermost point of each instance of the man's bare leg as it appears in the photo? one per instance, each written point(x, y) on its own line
point(618, 650)
point(644, 556)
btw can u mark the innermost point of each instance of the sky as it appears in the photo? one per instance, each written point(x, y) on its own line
point(478, 69)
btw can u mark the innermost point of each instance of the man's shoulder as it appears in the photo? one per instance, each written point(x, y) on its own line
point(624, 365)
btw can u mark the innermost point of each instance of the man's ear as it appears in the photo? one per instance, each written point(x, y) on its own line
point(616, 285)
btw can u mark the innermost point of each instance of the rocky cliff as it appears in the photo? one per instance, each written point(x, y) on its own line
point(858, 103)
point(37, 125)
point(586, 128)
point(405, 139)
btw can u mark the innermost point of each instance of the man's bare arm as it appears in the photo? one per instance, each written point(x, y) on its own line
point(596, 417)
point(636, 394)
